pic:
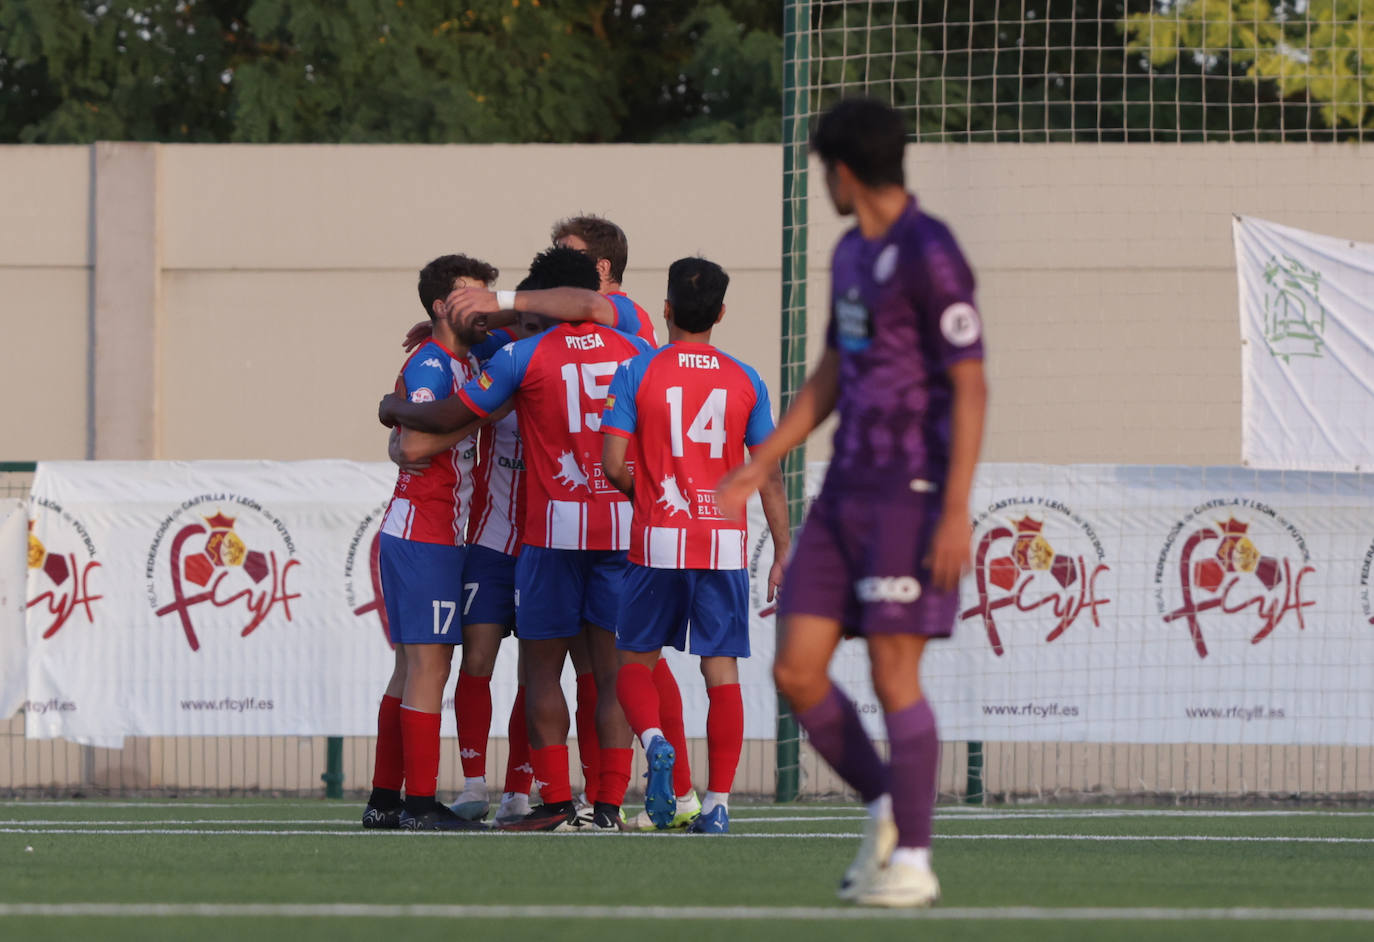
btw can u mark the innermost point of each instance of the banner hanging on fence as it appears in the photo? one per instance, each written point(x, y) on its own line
point(15, 556)
point(1106, 604)
point(1307, 323)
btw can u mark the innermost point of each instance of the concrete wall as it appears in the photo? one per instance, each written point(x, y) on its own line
point(240, 301)
point(233, 302)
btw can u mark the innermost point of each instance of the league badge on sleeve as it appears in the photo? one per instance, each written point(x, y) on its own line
point(960, 324)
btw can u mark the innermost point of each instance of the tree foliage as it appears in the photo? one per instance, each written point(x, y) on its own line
point(1313, 55)
point(676, 70)
point(388, 70)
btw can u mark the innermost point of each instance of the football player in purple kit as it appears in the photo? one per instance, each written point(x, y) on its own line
point(886, 541)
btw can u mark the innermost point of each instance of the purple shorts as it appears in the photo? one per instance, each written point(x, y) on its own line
point(860, 561)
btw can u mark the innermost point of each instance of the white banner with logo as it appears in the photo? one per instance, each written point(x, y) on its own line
point(1139, 604)
point(1107, 604)
point(206, 598)
point(13, 651)
point(1307, 328)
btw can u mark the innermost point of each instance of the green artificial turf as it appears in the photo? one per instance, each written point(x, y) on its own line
point(986, 862)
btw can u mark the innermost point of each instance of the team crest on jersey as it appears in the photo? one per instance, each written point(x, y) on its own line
point(59, 578)
point(885, 265)
point(673, 500)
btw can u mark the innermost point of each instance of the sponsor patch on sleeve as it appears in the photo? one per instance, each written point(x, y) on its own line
point(960, 324)
point(423, 394)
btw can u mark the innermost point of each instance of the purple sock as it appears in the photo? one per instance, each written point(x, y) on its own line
point(914, 770)
point(836, 733)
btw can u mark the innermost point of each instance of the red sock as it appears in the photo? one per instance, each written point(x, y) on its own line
point(615, 775)
point(634, 688)
point(472, 709)
point(420, 734)
point(724, 735)
point(389, 770)
point(670, 721)
point(588, 743)
point(551, 770)
point(519, 772)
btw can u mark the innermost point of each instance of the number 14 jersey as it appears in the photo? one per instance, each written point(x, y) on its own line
point(690, 411)
point(559, 380)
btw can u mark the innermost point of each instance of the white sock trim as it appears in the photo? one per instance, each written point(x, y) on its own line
point(647, 737)
point(713, 800)
point(880, 808)
point(478, 783)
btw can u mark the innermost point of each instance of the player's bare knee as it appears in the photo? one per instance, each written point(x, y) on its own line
point(793, 680)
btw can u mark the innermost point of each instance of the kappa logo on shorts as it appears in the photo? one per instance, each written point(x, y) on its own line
point(901, 589)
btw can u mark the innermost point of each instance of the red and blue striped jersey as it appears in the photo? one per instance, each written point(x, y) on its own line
point(432, 507)
point(689, 410)
point(559, 380)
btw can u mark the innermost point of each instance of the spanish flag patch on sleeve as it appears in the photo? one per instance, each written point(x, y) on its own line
point(484, 380)
point(610, 402)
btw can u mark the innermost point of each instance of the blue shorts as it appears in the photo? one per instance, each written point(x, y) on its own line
point(556, 590)
point(422, 586)
point(659, 605)
point(489, 588)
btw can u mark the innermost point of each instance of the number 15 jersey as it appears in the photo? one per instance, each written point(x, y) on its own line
point(559, 380)
point(690, 410)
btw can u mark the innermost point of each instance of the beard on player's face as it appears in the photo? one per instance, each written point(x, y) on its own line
point(840, 196)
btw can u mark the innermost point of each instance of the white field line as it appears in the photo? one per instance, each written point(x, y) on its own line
point(1108, 838)
point(382, 911)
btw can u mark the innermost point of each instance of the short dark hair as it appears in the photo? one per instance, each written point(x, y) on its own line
point(867, 137)
point(564, 268)
point(437, 278)
point(604, 240)
point(696, 291)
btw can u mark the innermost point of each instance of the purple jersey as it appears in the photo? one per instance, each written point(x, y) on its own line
point(902, 313)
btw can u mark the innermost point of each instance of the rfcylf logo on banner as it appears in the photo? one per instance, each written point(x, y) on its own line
point(60, 574)
point(1233, 562)
point(215, 571)
point(1036, 565)
point(362, 571)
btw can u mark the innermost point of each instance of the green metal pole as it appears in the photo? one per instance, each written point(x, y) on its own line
point(795, 83)
point(333, 776)
point(973, 788)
